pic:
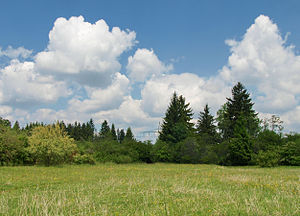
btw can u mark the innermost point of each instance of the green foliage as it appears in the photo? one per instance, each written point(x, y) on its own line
point(105, 130)
point(84, 159)
point(4, 122)
point(50, 145)
point(189, 151)
point(239, 105)
point(113, 132)
point(267, 140)
point(161, 152)
point(268, 158)
point(129, 134)
point(240, 147)
point(176, 125)
point(13, 147)
point(205, 124)
point(121, 135)
point(290, 153)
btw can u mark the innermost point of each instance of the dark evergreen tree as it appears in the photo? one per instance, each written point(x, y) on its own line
point(105, 130)
point(176, 125)
point(16, 126)
point(205, 124)
point(240, 147)
point(113, 132)
point(239, 105)
point(90, 129)
point(121, 135)
point(129, 134)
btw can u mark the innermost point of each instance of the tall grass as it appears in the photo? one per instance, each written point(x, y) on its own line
point(149, 189)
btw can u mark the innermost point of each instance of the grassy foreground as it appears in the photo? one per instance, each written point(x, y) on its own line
point(149, 189)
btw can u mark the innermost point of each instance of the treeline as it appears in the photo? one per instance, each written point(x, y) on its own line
point(235, 137)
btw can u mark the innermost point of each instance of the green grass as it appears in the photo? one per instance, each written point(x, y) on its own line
point(149, 189)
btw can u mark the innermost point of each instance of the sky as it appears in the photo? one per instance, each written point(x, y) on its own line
point(121, 60)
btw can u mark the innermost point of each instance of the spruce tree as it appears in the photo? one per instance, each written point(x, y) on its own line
point(121, 135)
point(16, 126)
point(129, 134)
point(239, 105)
point(176, 124)
point(104, 129)
point(113, 132)
point(205, 124)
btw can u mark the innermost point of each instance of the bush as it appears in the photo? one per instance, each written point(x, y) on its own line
point(161, 152)
point(50, 145)
point(268, 158)
point(290, 153)
point(84, 159)
point(13, 147)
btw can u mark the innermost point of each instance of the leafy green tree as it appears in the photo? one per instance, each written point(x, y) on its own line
point(5, 122)
point(176, 124)
point(13, 147)
point(239, 105)
point(51, 145)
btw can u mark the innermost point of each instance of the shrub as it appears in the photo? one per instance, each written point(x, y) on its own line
point(84, 159)
point(268, 158)
point(50, 145)
point(290, 153)
point(13, 147)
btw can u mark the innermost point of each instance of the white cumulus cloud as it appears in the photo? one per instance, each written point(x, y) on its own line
point(20, 84)
point(145, 64)
point(12, 53)
point(85, 52)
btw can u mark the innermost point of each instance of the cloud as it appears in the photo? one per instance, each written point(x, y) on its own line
point(103, 99)
point(21, 85)
point(86, 56)
point(262, 60)
point(145, 64)
point(84, 52)
point(198, 91)
point(15, 53)
point(130, 113)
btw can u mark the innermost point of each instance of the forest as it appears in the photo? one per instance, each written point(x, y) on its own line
point(235, 137)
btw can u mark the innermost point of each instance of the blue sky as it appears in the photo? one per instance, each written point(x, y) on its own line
point(170, 43)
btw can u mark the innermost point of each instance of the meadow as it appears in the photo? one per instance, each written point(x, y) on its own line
point(149, 189)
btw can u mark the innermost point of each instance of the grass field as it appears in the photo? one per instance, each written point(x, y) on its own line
point(149, 189)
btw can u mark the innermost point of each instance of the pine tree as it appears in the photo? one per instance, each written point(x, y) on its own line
point(113, 132)
point(129, 134)
point(239, 105)
point(16, 126)
point(105, 130)
point(121, 135)
point(176, 125)
point(205, 124)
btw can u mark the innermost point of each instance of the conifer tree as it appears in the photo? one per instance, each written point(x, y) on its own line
point(239, 105)
point(176, 125)
point(205, 124)
point(16, 126)
point(129, 134)
point(105, 130)
point(113, 132)
point(121, 135)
